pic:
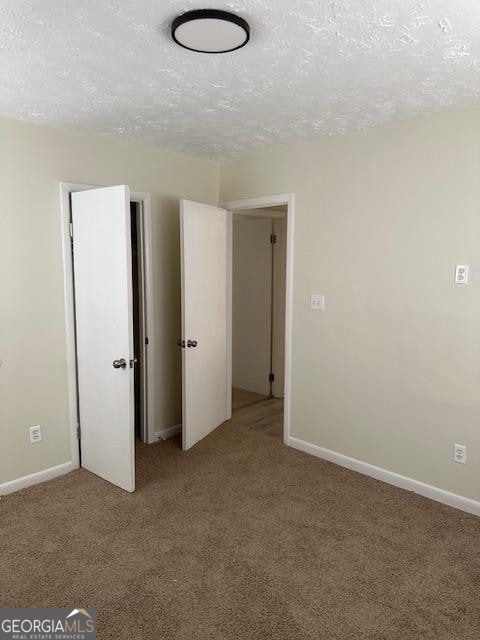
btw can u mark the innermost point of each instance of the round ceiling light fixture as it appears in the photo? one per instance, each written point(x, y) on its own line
point(210, 31)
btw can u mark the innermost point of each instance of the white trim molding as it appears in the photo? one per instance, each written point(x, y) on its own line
point(260, 203)
point(36, 478)
point(426, 490)
point(169, 432)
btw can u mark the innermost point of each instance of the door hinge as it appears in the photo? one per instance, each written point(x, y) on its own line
point(271, 377)
point(71, 229)
point(273, 238)
point(78, 431)
point(146, 340)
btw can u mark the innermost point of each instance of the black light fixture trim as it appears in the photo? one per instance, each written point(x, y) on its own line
point(215, 14)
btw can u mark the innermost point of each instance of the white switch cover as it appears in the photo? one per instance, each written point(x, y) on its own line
point(461, 274)
point(317, 302)
point(35, 434)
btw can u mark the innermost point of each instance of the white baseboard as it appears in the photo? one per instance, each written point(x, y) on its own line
point(434, 493)
point(164, 434)
point(35, 478)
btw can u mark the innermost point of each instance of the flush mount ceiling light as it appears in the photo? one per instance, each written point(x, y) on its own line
point(210, 31)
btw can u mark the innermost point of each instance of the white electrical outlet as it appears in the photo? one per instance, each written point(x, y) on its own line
point(35, 434)
point(461, 274)
point(460, 453)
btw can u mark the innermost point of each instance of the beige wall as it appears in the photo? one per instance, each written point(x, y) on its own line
point(252, 301)
point(251, 304)
point(33, 385)
point(390, 372)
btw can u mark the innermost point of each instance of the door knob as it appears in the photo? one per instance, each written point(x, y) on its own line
point(120, 364)
point(192, 343)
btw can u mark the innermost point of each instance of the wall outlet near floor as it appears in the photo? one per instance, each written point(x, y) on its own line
point(35, 434)
point(460, 453)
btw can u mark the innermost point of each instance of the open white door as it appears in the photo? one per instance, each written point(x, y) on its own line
point(104, 328)
point(203, 239)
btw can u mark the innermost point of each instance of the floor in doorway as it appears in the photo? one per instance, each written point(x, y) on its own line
point(258, 413)
point(242, 398)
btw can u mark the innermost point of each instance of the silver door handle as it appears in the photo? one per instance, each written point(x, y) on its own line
point(120, 364)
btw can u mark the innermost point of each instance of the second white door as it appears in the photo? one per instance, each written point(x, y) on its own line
point(203, 240)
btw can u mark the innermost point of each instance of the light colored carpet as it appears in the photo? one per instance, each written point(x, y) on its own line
point(242, 538)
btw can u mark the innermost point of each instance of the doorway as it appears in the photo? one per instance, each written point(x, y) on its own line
point(279, 211)
point(258, 317)
point(206, 340)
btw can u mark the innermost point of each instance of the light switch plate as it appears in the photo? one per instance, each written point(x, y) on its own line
point(461, 274)
point(317, 302)
point(35, 434)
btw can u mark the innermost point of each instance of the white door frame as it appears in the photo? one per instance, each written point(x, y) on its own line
point(66, 188)
point(259, 203)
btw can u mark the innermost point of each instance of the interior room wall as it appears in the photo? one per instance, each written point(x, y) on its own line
point(33, 380)
point(251, 303)
point(389, 373)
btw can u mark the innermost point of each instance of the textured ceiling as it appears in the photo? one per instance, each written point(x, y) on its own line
point(312, 68)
